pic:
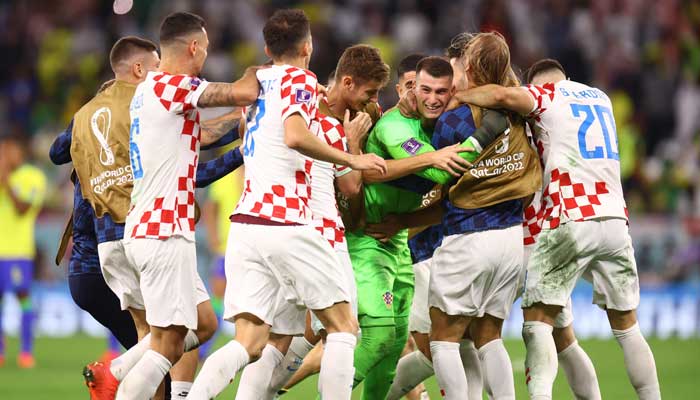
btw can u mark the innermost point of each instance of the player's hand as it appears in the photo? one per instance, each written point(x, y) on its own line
point(449, 160)
point(408, 105)
point(367, 162)
point(321, 91)
point(249, 81)
point(356, 130)
point(385, 230)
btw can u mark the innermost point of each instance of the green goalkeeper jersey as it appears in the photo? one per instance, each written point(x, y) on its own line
point(395, 137)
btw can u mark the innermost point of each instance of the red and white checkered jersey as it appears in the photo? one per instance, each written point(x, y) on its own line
point(576, 137)
point(326, 218)
point(164, 149)
point(532, 219)
point(276, 184)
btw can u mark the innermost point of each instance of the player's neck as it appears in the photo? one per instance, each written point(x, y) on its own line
point(174, 66)
point(428, 123)
point(127, 78)
point(299, 62)
point(335, 102)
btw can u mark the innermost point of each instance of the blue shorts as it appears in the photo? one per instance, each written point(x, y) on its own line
point(219, 270)
point(16, 275)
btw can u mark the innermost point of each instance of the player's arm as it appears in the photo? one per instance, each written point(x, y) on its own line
point(60, 148)
point(349, 184)
point(413, 155)
point(393, 223)
point(297, 136)
point(240, 93)
point(213, 170)
point(20, 205)
point(214, 130)
point(230, 137)
point(515, 99)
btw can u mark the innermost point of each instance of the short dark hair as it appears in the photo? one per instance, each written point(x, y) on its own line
point(435, 66)
point(543, 65)
point(179, 24)
point(126, 47)
point(362, 63)
point(408, 63)
point(284, 31)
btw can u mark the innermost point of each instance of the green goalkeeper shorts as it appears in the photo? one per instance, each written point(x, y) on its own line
point(384, 282)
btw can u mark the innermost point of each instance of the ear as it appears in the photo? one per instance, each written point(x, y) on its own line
point(192, 48)
point(137, 70)
point(267, 52)
point(398, 90)
point(347, 82)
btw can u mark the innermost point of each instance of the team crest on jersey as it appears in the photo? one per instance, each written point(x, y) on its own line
point(411, 146)
point(388, 298)
point(302, 96)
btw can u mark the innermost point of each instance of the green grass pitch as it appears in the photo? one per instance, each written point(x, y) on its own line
point(60, 361)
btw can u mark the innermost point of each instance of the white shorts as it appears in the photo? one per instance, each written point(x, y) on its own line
point(349, 276)
point(599, 250)
point(295, 262)
point(566, 315)
point(159, 276)
point(419, 319)
point(477, 273)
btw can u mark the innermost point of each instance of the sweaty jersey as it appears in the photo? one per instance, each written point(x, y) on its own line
point(576, 137)
point(28, 184)
point(164, 150)
point(326, 218)
point(276, 186)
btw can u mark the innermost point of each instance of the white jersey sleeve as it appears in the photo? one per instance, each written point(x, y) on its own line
point(575, 133)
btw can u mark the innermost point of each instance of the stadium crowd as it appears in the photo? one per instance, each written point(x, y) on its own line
point(385, 179)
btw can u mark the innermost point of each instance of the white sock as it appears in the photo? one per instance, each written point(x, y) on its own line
point(179, 389)
point(191, 341)
point(452, 380)
point(218, 371)
point(579, 372)
point(639, 361)
point(337, 370)
point(255, 381)
point(121, 365)
point(144, 378)
point(412, 369)
point(540, 360)
point(472, 368)
point(498, 371)
point(291, 362)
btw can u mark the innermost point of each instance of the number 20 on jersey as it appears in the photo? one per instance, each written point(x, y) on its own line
point(598, 120)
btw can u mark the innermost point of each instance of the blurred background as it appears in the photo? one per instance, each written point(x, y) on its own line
point(644, 53)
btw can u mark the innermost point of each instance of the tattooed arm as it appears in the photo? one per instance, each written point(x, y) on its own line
point(214, 129)
point(242, 92)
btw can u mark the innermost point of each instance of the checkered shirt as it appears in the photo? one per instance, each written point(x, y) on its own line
point(326, 218)
point(276, 185)
point(164, 148)
point(575, 137)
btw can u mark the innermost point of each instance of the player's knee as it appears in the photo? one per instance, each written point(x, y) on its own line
point(563, 337)
point(378, 340)
point(207, 325)
point(487, 329)
point(621, 320)
point(542, 312)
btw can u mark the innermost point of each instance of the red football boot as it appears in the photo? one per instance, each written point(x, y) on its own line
point(101, 384)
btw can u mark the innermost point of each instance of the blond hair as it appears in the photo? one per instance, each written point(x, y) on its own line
point(488, 57)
